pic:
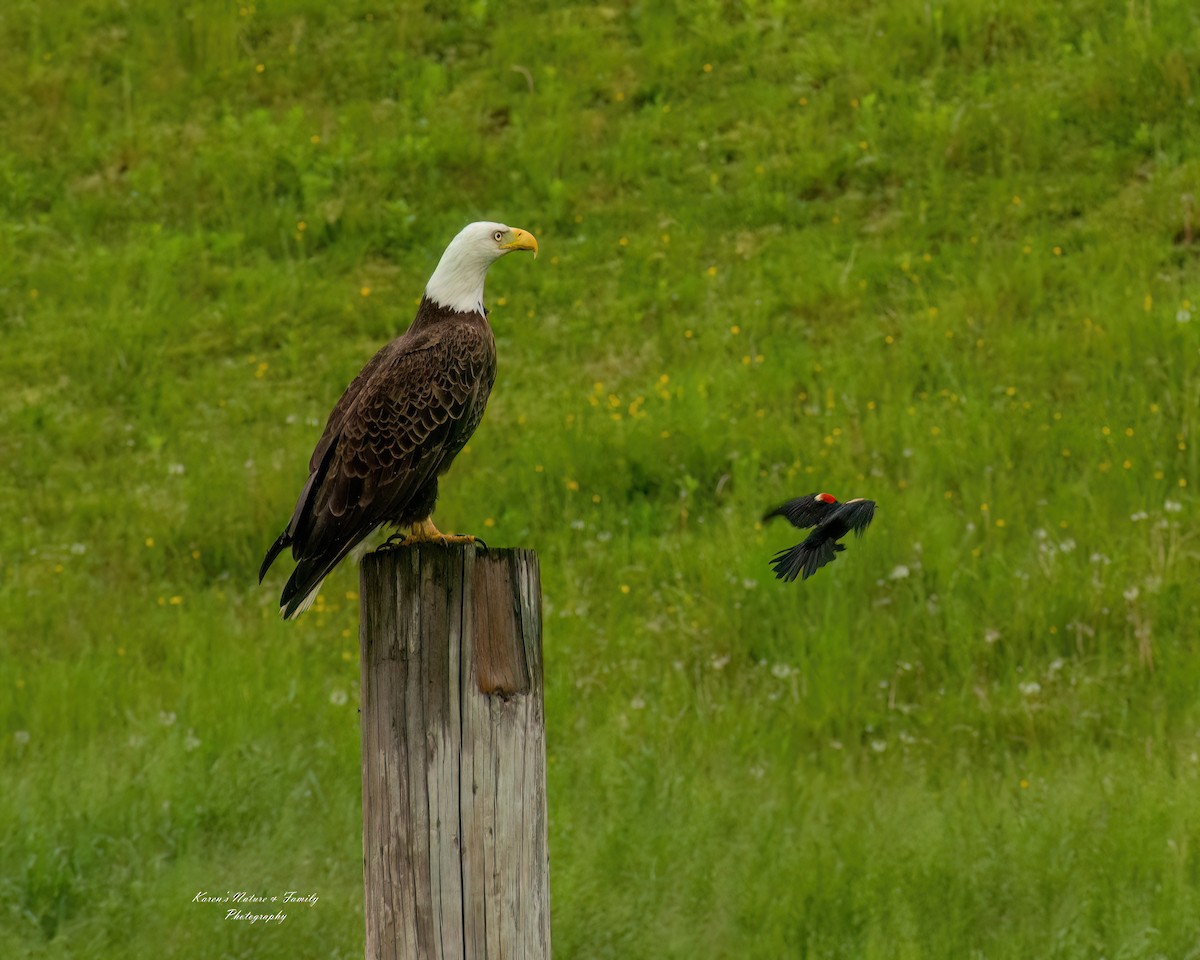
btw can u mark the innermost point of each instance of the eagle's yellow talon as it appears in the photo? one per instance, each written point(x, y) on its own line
point(424, 531)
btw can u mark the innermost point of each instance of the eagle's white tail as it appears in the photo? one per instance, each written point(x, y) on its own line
point(303, 604)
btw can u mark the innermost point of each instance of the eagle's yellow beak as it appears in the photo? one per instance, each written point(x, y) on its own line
point(522, 240)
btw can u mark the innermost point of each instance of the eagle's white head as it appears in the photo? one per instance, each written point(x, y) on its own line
point(457, 283)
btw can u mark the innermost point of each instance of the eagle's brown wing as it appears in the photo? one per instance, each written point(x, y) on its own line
point(399, 424)
point(318, 463)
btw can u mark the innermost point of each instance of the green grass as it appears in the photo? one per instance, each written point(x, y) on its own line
point(922, 252)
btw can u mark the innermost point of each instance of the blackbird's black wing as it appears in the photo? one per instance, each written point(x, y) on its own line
point(856, 515)
point(821, 546)
point(805, 511)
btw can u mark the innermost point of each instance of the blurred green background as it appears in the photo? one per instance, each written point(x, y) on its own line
point(937, 254)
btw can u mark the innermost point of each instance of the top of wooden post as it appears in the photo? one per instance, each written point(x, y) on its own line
point(504, 592)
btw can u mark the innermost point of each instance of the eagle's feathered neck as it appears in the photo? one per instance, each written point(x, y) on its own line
point(457, 283)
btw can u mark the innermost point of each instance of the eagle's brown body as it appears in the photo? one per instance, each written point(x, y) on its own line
point(403, 420)
point(395, 430)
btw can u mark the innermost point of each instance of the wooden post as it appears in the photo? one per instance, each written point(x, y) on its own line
point(454, 755)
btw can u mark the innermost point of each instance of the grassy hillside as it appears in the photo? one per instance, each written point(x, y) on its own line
point(934, 254)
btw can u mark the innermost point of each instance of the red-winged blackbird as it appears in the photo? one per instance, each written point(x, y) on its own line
point(831, 520)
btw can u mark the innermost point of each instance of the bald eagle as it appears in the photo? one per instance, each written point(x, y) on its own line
point(401, 421)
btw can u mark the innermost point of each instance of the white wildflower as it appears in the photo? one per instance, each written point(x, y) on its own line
point(1030, 689)
point(338, 698)
point(899, 572)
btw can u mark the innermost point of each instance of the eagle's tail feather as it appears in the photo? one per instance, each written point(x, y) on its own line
point(303, 585)
point(299, 604)
point(302, 588)
point(305, 581)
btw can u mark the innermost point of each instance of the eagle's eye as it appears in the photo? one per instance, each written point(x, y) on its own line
point(498, 235)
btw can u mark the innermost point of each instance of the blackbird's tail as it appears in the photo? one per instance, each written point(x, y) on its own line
point(806, 558)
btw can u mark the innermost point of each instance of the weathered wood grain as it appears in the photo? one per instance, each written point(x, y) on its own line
point(454, 755)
